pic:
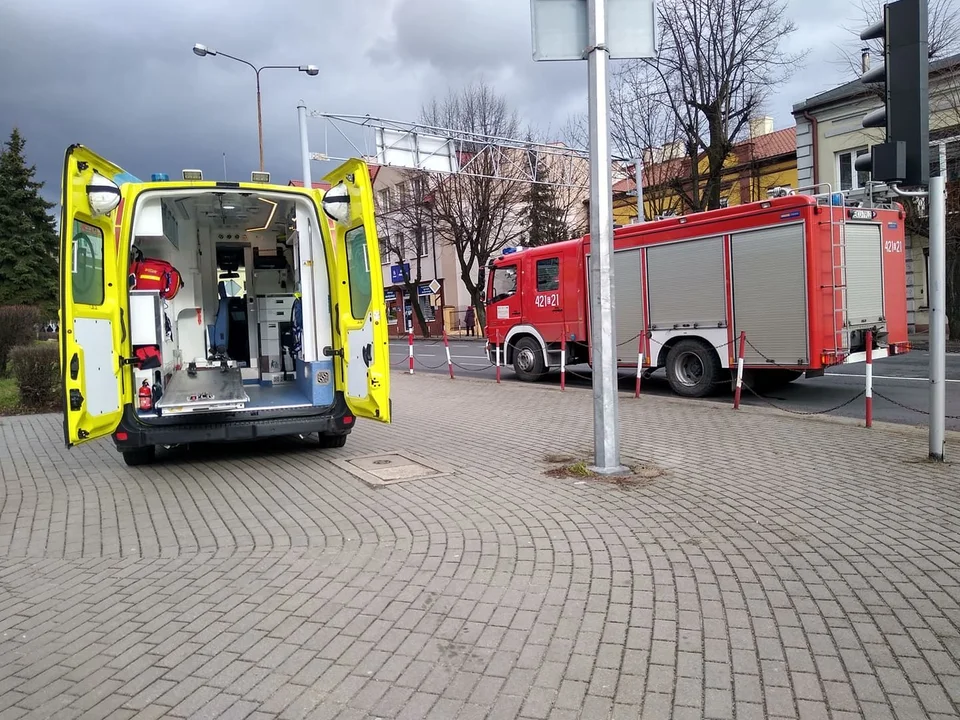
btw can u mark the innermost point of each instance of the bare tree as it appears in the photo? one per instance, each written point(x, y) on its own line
point(403, 230)
point(943, 19)
point(719, 62)
point(477, 212)
point(644, 127)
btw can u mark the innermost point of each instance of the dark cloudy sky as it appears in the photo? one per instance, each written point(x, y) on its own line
point(120, 77)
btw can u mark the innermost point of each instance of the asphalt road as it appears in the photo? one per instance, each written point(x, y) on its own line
point(898, 379)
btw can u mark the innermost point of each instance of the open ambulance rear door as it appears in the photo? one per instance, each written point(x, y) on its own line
point(93, 328)
point(361, 340)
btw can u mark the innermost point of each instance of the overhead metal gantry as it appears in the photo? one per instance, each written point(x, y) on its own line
point(432, 149)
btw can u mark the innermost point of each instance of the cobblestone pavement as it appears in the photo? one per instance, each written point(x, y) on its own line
point(781, 567)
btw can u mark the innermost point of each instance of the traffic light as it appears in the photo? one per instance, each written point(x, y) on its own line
point(905, 156)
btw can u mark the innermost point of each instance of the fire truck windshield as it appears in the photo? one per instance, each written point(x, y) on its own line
point(504, 283)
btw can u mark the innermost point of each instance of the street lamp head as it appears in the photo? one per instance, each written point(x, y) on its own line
point(202, 50)
point(310, 70)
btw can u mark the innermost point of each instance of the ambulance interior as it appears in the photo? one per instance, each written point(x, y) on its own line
point(231, 338)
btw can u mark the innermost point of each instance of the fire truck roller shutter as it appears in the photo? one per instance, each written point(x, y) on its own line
point(770, 294)
point(686, 284)
point(864, 249)
point(628, 300)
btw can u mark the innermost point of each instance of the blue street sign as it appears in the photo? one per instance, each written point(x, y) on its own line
point(424, 289)
point(396, 272)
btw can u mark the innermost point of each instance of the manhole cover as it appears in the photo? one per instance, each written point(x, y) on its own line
point(394, 467)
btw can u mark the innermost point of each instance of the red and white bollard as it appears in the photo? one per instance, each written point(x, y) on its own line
point(498, 356)
point(411, 353)
point(743, 347)
point(563, 362)
point(640, 345)
point(869, 375)
point(446, 346)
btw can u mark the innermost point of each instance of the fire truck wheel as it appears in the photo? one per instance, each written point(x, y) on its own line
point(528, 360)
point(692, 368)
point(140, 456)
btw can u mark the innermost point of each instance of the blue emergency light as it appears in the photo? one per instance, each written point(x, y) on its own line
point(159, 177)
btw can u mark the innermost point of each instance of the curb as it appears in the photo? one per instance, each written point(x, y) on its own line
point(895, 428)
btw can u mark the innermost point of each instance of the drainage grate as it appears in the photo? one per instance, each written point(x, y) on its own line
point(390, 468)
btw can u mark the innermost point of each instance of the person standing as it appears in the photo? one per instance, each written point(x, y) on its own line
point(470, 320)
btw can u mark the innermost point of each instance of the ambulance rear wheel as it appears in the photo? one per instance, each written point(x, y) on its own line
point(692, 368)
point(140, 456)
point(328, 441)
point(528, 360)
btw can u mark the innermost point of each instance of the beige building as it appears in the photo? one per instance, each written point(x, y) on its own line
point(409, 230)
point(830, 137)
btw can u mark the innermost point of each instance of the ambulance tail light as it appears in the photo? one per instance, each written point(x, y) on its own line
point(193, 175)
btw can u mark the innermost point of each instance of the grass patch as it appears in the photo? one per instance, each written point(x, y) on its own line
point(9, 396)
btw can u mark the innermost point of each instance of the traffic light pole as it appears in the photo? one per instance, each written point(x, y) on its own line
point(938, 317)
point(937, 214)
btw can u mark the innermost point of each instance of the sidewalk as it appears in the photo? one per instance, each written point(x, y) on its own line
point(921, 341)
point(778, 567)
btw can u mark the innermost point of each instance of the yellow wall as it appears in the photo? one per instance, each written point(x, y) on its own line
point(783, 173)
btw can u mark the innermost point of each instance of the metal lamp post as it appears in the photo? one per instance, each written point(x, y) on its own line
point(312, 70)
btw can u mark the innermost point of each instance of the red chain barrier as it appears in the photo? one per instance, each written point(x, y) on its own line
point(411, 352)
point(640, 344)
point(743, 348)
point(869, 375)
point(446, 346)
point(563, 362)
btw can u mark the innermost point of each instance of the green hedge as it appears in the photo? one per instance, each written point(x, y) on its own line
point(37, 370)
point(17, 327)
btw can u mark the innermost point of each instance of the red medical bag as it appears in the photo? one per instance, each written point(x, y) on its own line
point(153, 274)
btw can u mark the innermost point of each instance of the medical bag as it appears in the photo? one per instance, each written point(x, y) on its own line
point(156, 275)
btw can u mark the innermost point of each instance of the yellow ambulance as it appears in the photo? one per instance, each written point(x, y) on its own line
point(195, 310)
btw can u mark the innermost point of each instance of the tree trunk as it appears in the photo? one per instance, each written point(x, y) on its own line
point(411, 290)
point(479, 308)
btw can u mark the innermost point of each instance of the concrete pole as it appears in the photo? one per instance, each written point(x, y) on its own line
point(304, 147)
point(938, 317)
point(604, 360)
point(259, 121)
point(639, 181)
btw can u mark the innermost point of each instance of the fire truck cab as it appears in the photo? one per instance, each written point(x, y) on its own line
point(804, 277)
point(194, 310)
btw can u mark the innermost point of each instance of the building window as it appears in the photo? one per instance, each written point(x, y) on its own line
point(383, 196)
point(851, 179)
point(724, 202)
point(385, 250)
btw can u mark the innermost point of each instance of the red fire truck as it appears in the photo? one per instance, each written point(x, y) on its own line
point(804, 277)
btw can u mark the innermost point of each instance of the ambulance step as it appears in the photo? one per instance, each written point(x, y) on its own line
point(208, 390)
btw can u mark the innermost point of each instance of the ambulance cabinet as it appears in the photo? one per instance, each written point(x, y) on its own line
point(146, 323)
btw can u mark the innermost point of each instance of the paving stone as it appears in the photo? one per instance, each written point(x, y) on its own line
point(261, 580)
